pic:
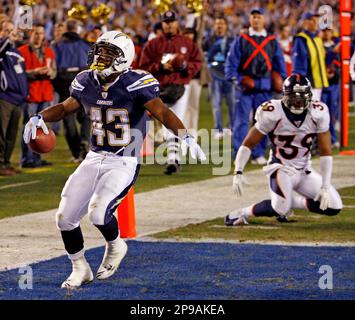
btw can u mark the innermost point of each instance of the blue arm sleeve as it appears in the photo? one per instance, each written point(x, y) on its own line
point(299, 56)
point(278, 62)
point(233, 60)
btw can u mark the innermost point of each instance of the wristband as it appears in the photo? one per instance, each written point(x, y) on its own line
point(326, 166)
point(242, 158)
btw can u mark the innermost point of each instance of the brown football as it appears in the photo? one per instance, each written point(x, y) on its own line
point(248, 83)
point(178, 61)
point(276, 81)
point(44, 142)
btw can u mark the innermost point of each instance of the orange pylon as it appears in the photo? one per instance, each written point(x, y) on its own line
point(147, 147)
point(127, 216)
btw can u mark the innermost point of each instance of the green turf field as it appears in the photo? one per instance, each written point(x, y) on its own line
point(303, 227)
point(39, 190)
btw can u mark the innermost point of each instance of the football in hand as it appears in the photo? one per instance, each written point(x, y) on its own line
point(178, 61)
point(276, 81)
point(44, 142)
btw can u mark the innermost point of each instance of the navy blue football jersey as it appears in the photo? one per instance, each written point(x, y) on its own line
point(116, 110)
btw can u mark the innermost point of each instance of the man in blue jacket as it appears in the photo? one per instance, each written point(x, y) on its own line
point(13, 92)
point(250, 62)
point(220, 87)
point(71, 53)
point(331, 95)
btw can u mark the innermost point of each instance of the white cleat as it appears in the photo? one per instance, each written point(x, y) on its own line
point(80, 275)
point(114, 253)
point(261, 161)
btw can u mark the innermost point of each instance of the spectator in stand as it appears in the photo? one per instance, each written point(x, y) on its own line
point(13, 93)
point(138, 45)
point(71, 53)
point(40, 69)
point(250, 62)
point(174, 60)
point(220, 87)
point(193, 104)
point(308, 55)
point(94, 34)
point(331, 95)
point(156, 131)
point(285, 41)
point(58, 30)
point(157, 31)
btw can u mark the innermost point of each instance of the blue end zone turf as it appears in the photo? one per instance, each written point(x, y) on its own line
point(161, 270)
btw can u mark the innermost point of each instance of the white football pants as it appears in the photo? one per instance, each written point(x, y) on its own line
point(179, 108)
point(193, 107)
point(96, 187)
point(282, 184)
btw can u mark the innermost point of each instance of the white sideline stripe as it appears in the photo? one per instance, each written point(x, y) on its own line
point(40, 240)
point(348, 197)
point(259, 242)
point(349, 206)
point(14, 185)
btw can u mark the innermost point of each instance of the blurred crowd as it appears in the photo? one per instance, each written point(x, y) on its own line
point(138, 17)
point(40, 63)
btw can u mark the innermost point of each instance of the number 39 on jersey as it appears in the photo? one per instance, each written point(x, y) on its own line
point(291, 136)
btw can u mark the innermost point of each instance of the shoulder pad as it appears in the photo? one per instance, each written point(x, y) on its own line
point(80, 80)
point(320, 113)
point(267, 115)
point(318, 109)
point(270, 109)
point(139, 79)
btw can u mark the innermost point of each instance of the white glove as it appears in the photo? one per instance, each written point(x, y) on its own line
point(238, 184)
point(324, 198)
point(31, 128)
point(188, 141)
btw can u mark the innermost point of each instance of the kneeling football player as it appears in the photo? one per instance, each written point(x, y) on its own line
point(116, 97)
point(291, 124)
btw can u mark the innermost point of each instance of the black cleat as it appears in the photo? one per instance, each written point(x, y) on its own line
point(241, 219)
point(172, 168)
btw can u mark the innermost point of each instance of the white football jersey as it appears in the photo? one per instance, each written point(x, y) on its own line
point(291, 135)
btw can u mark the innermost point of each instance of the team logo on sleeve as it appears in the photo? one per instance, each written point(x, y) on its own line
point(77, 86)
point(144, 82)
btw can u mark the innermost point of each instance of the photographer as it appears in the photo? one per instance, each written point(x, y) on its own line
point(71, 58)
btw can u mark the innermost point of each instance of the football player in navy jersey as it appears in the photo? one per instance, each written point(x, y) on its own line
point(116, 97)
